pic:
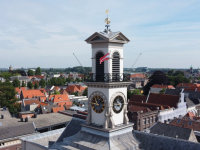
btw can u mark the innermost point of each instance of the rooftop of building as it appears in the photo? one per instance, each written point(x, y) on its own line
point(171, 131)
point(43, 120)
point(163, 86)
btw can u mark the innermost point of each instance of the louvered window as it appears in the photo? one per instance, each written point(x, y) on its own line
point(116, 63)
point(99, 67)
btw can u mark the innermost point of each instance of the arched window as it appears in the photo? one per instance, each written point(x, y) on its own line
point(115, 63)
point(99, 67)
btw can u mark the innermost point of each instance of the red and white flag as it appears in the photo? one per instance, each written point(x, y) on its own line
point(105, 57)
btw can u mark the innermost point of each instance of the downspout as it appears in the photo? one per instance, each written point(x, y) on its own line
point(148, 96)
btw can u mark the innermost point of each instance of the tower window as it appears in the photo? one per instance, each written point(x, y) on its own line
point(99, 67)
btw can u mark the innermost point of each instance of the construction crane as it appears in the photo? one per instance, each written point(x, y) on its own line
point(79, 62)
point(136, 60)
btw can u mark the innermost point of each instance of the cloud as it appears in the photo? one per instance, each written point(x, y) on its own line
point(47, 33)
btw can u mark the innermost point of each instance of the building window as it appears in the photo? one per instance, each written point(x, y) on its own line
point(144, 121)
point(152, 119)
point(148, 121)
point(139, 122)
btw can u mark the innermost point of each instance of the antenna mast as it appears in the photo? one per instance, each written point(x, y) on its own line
point(79, 62)
point(136, 60)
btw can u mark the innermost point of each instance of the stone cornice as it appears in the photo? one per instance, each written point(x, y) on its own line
point(107, 84)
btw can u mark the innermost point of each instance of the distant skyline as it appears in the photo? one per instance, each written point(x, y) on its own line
point(46, 33)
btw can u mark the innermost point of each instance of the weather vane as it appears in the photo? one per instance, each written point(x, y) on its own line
point(107, 20)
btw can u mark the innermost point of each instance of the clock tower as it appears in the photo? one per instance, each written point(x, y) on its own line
point(107, 84)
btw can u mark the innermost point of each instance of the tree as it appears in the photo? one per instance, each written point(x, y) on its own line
point(7, 97)
point(59, 81)
point(30, 85)
point(77, 80)
point(158, 77)
point(75, 93)
point(16, 82)
point(162, 91)
point(85, 92)
point(53, 81)
point(31, 72)
point(36, 86)
point(68, 80)
point(42, 83)
point(6, 75)
point(178, 73)
point(38, 71)
point(134, 92)
point(23, 84)
point(56, 93)
point(16, 74)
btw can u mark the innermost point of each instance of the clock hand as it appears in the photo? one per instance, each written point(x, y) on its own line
point(96, 104)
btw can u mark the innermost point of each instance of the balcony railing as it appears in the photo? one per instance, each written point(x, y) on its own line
point(107, 77)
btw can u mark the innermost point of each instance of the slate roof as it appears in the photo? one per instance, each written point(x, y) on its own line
point(173, 91)
point(192, 94)
point(72, 128)
point(157, 142)
point(189, 102)
point(171, 131)
point(19, 130)
point(20, 78)
point(135, 108)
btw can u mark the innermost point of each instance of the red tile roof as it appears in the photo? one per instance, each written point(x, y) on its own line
point(29, 102)
point(190, 115)
point(188, 85)
point(163, 86)
point(56, 109)
point(18, 90)
point(32, 93)
point(43, 90)
point(74, 88)
point(35, 82)
point(163, 99)
point(138, 98)
point(149, 105)
point(39, 76)
point(138, 75)
point(186, 123)
point(135, 108)
point(58, 98)
point(56, 88)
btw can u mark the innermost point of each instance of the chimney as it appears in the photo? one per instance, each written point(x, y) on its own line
point(176, 136)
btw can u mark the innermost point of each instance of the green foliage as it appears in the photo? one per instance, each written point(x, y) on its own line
point(30, 85)
point(198, 78)
point(77, 80)
point(57, 81)
point(85, 92)
point(31, 72)
point(177, 73)
point(134, 92)
point(178, 78)
point(6, 75)
point(56, 93)
point(36, 86)
point(16, 82)
point(170, 72)
point(79, 69)
point(75, 93)
point(7, 97)
point(42, 83)
point(23, 84)
point(38, 71)
point(16, 74)
point(68, 80)
point(158, 77)
point(162, 91)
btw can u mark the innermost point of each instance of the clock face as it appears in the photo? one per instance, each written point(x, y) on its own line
point(98, 104)
point(118, 104)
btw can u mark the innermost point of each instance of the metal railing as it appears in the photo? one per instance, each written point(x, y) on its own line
point(107, 77)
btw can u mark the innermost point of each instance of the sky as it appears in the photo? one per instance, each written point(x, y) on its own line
point(35, 33)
